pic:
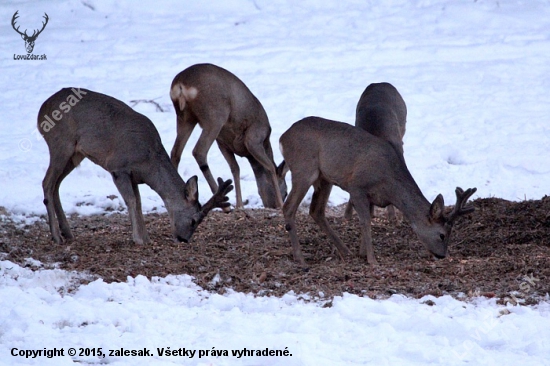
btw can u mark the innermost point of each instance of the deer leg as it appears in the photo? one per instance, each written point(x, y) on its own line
point(295, 197)
point(63, 223)
point(235, 171)
point(130, 193)
point(363, 208)
point(59, 167)
point(390, 212)
point(256, 148)
point(185, 126)
point(279, 175)
point(349, 211)
point(200, 152)
point(317, 212)
point(139, 212)
point(49, 185)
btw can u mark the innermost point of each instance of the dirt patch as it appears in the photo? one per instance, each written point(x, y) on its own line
point(502, 250)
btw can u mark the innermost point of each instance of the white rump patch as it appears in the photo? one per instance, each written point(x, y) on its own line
point(190, 93)
point(183, 94)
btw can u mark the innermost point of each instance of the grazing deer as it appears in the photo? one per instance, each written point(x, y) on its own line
point(229, 113)
point(324, 153)
point(79, 123)
point(382, 112)
point(29, 40)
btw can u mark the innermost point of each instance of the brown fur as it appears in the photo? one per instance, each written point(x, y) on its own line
point(231, 115)
point(381, 111)
point(322, 153)
point(127, 145)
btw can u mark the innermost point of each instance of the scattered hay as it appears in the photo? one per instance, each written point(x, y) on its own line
point(492, 253)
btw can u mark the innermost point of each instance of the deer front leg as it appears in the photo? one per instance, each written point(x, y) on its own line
point(63, 223)
point(255, 147)
point(130, 193)
point(61, 164)
point(49, 185)
point(317, 212)
point(290, 207)
point(363, 208)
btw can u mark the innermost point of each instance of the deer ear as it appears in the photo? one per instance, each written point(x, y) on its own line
point(192, 189)
point(437, 207)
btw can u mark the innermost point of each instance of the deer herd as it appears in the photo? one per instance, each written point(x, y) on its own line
point(365, 160)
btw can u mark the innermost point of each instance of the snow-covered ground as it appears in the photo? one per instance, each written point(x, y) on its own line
point(37, 313)
point(474, 75)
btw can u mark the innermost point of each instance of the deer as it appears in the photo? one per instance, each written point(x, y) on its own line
point(29, 40)
point(78, 123)
point(227, 111)
point(382, 112)
point(322, 153)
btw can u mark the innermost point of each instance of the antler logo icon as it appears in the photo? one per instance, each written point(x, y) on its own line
point(29, 40)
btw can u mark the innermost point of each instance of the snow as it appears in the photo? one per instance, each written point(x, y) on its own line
point(174, 312)
point(474, 75)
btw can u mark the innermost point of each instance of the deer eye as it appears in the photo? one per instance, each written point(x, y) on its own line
point(442, 236)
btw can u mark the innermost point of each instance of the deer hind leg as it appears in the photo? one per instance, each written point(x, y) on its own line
point(185, 125)
point(254, 142)
point(130, 193)
point(300, 186)
point(211, 130)
point(62, 162)
point(235, 171)
point(317, 211)
point(364, 212)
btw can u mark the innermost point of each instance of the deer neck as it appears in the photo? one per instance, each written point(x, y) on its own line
point(166, 181)
point(264, 183)
point(412, 203)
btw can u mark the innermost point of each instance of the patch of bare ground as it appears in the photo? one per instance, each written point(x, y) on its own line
point(492, 253)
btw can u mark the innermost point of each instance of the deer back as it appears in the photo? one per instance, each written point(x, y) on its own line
point(228, 112)
point(212, 94)
point(101, 128)
point(79, 123)
point(382, 112)
point(346, 156)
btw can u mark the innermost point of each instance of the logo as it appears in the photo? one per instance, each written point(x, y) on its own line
point(29, 40)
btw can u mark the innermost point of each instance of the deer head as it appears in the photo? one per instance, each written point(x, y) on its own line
point(186, 219)
point(29, 40)
point(435, 235)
